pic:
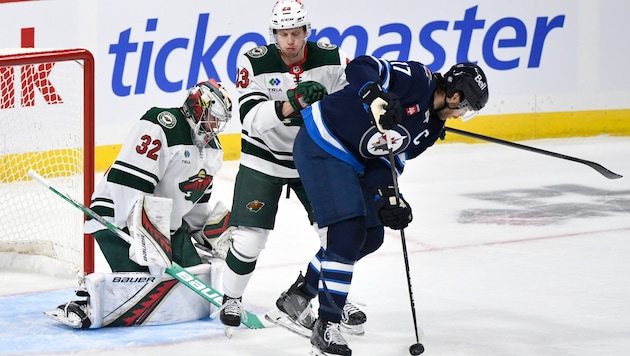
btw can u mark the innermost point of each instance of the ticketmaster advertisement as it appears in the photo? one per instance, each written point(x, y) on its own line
point(555, 68)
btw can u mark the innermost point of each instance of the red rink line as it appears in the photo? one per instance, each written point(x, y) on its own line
point(528, 239)
point(427, 248)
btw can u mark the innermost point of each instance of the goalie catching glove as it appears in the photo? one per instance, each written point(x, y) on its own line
point(384, 106)
point(394, 215)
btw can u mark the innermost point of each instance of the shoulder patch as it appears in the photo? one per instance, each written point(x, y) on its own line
point(167, 119)
point(328, 46)
point(257, 52)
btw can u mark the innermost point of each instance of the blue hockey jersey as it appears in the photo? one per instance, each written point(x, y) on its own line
point(342, 125)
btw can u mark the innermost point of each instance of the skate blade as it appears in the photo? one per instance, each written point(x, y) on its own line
point(357, 330)
point(279, 318)
point(55, 315)
point(317, 352)
point(229, 331)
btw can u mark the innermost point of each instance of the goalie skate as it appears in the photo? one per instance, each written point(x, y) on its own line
point(73, 314)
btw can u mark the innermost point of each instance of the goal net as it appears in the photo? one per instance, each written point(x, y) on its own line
point(46, 124)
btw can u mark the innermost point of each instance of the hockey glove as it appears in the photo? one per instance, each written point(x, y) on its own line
point(295, 119)
point(385, 107)
point(395, 216)
point(305, 94)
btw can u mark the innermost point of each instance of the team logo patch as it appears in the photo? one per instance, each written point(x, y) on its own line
point(257, 52)
point(374, 143)
point(254, 206)
point(167, 119)
point(327, 46)
point(195, 187)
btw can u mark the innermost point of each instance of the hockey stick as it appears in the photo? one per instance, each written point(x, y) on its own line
point(417, 348)
point(178, 272)
point(596, 166)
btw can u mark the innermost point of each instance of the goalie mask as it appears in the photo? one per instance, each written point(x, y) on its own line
point(208, 109)
point(286, 15)
point(470, 81)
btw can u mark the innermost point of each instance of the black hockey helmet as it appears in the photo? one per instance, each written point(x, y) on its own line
point(471, 82)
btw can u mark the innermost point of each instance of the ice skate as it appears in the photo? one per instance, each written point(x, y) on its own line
point(327, 340)
point(230, 314)
point(352, 320)
point(293, 310)
point(73, 314)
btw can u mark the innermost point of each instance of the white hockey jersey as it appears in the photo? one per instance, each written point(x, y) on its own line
point(159, 158)
point(262, 79)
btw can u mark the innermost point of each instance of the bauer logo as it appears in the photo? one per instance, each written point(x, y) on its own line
point(133, 279)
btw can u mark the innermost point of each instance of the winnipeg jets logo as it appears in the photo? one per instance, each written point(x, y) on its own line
point(196, 186)
point(381, 143)
point(374, 143)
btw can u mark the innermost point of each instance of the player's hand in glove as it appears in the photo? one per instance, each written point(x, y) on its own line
point(305, 94)
point(293, 119)
point(395, 216)
point(385, 107)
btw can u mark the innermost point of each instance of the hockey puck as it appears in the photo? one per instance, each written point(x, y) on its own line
point(416, 349)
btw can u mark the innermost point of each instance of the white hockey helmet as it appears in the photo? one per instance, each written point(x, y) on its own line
point(207, 108)
point(287, 14)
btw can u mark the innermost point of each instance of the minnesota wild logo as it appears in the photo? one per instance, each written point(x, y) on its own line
point(254, 206)
point(195, 187)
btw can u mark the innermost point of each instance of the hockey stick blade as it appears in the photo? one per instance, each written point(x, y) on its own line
point(596, 166)
point(188, 279)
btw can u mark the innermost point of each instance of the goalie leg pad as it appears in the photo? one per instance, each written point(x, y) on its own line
point(128, 299)
point(135, 298)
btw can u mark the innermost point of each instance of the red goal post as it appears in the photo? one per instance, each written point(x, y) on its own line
point(47, 124)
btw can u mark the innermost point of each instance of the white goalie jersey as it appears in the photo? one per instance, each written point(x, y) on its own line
point(159, 158)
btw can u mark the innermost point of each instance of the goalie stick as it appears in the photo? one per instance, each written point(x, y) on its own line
point(596, 166)
point(188, 279)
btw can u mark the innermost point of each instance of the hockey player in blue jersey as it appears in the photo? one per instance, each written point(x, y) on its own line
point(342, 154)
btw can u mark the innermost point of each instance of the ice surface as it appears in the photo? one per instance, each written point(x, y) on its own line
point(511, 253)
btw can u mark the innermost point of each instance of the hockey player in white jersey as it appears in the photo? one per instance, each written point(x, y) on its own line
point(274, 83)
point(171, 153)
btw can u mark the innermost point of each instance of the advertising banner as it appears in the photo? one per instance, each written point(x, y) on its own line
point(552, 66)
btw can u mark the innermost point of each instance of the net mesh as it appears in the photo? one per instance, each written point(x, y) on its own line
point(41, 128)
